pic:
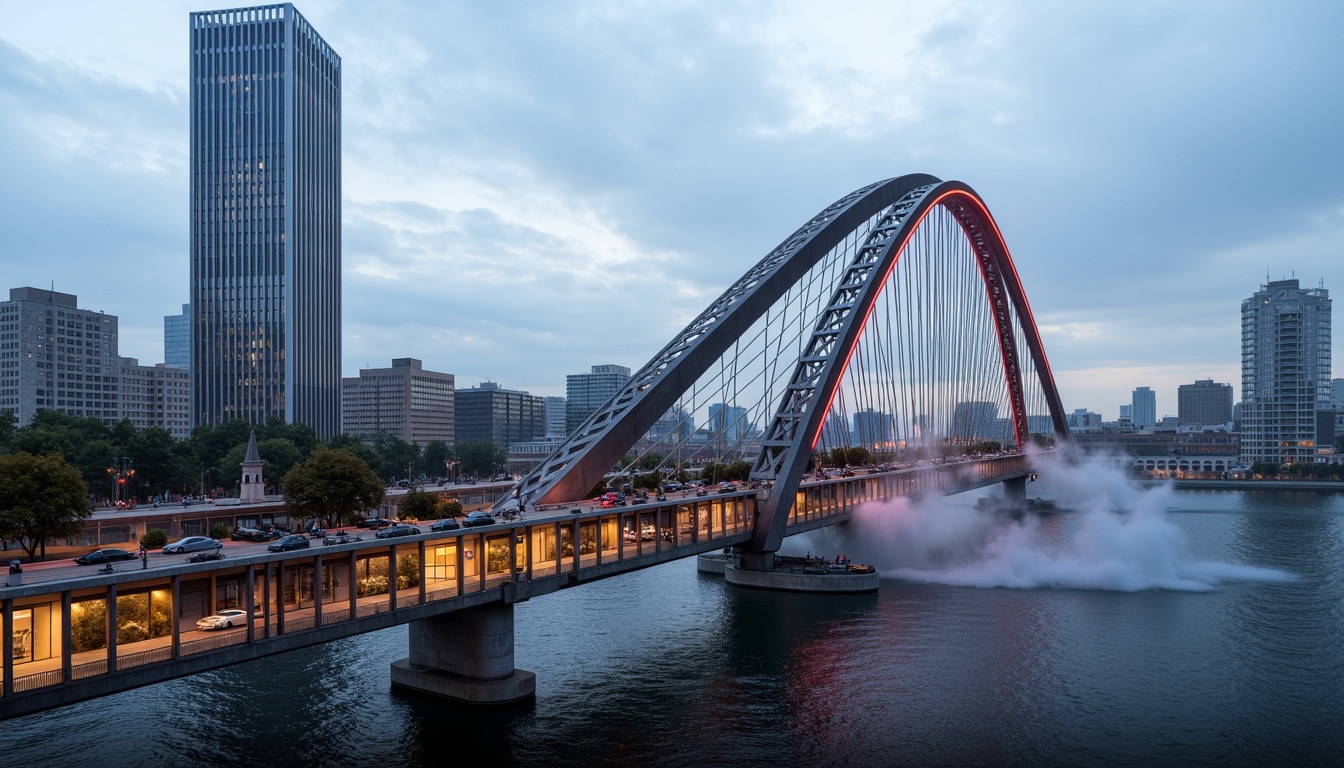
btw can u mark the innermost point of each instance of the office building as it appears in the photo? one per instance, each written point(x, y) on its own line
point(155, 396)
point(1083, 420)
point(1143, 408)
point(586, 392)
point(405, 400)
point(1285, 374)
point(1203, 403)
point(265, 158)
point(555, 417)
point(56, 356)
point(497, 415)
point(177, 339)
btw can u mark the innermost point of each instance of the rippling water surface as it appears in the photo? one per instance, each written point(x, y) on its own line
point(667, 667)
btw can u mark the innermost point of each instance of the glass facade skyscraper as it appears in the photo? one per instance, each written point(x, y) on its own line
point(177, 339)
point(265, 219)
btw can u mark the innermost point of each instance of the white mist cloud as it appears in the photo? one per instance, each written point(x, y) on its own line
point(1116, 536)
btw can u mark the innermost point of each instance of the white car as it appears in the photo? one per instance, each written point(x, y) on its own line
point(225, 619)
point(191, 544)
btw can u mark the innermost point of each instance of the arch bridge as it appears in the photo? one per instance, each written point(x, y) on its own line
point(891, 328)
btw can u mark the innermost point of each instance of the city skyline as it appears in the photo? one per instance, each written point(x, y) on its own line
point(515, 182)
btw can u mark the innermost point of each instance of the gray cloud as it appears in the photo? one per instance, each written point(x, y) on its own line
point(536, 189)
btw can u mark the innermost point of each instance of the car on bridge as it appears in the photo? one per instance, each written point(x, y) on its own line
point(395, 531)
point(292, 541)
point(223, 620)
point(446, 524)
point(478, 518)
point(191, 544)
point(100, 556)
point(375, 522)
point(255, 534)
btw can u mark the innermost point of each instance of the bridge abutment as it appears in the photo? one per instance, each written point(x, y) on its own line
point(466, 656)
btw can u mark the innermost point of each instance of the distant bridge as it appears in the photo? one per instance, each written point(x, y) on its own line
point(893, 321)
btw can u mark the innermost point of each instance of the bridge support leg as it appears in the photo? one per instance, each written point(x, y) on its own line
point(1015, 489)
point(466, 656)
point(756, 561)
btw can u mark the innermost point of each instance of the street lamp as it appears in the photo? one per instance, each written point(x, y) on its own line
point(121, 472)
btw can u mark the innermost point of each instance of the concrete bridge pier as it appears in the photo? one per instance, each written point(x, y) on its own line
point(466, 656)
point(1015, 490)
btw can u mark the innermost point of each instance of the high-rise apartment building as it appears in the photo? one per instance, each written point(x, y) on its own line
point(56, 356)
point(586, 392)
point(1285, 374)
point(265, 219)
point(177, 339)
point(1143, 408)
point(155, 396)
point(1203, 403)
point(404, 400)
point(497, 415)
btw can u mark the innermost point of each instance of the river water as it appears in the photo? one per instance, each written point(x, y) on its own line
point(1142, 628)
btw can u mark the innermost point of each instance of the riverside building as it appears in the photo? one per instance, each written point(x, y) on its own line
point(55, 356)
point(1285, 374)
point(265, 157)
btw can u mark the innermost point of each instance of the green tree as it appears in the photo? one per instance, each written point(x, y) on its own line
point(418, 505)
point(481, 458)
point(451, 508)
point(358, 447)
point(434, 459)
point(41, 498)
point(278, 457)
point(301, 436)
point(333, 486)
point(399, 456)
point(154, 538)
point(8, 427)
point(160, 462)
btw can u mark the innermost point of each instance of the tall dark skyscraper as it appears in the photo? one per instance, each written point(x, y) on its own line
point(265, 219)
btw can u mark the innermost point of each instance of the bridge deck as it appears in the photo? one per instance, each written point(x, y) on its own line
point(77, 636)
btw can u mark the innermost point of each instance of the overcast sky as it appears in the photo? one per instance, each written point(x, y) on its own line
point(534, 188)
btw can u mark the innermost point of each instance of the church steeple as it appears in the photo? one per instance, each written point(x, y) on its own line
point(252, 488)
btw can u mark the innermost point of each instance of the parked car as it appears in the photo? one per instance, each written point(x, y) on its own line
point(191, 544)
point(478, 518)
point(292, 541)
point(340, 537)
point(447, 524)
point(375, 522)
point(246, 534)
point(400, 529)
point(100, 556)
point(223, 620)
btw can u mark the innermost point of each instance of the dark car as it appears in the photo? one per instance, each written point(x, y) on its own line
point(375, 522)
point(478, 518)
point(400, 529)
point(292, 541)
point(447, 524)
point(245, 534)
point(99, 556)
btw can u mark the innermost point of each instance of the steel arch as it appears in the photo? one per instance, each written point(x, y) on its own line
point(600, 442)
point(803, 407)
